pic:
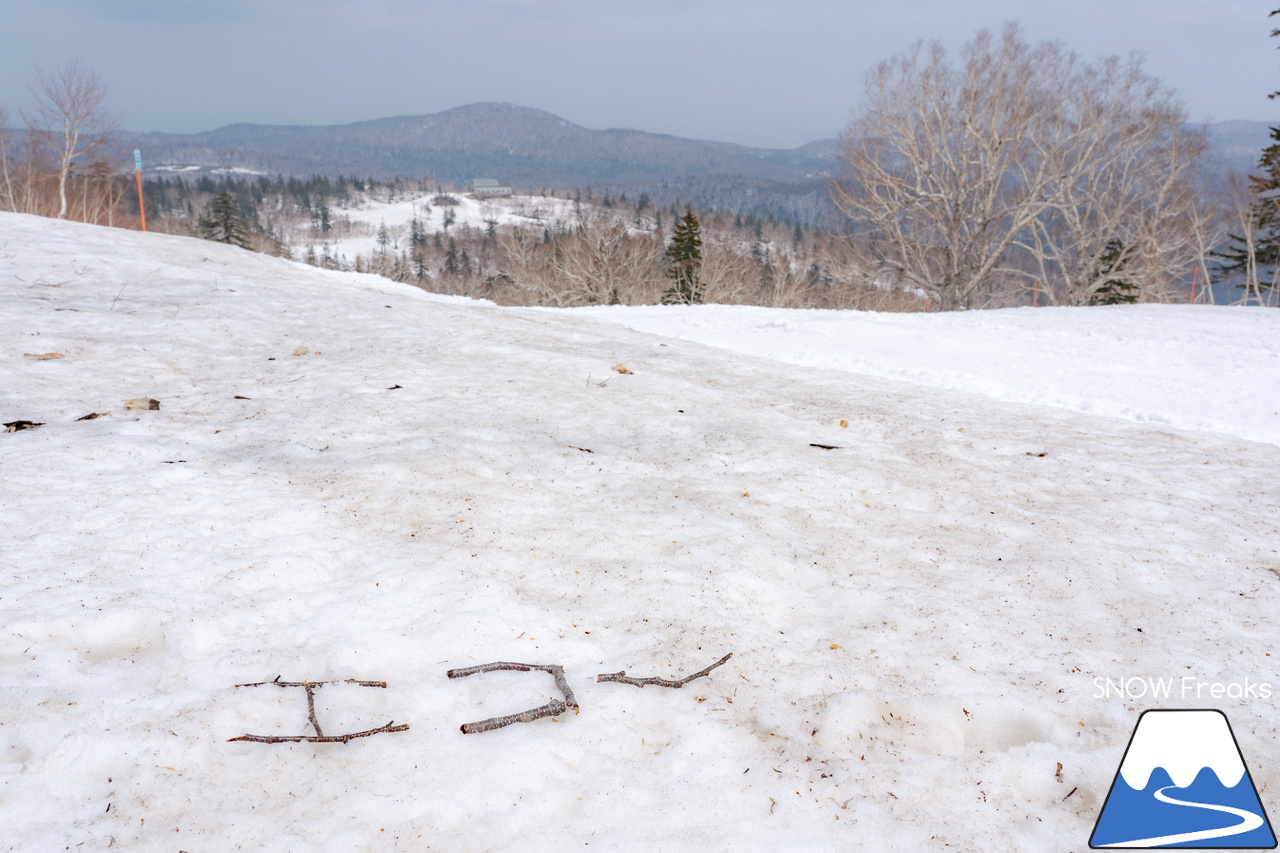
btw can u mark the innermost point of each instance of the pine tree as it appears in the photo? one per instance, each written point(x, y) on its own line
point(684, 255)
point(223, 223)
point(451, 266)
point(1264, 214)
point(1116, 290)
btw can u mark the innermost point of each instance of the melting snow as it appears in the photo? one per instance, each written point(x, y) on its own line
point(350, 478)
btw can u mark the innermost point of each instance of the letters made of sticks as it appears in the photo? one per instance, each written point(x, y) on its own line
point(551, 709)
point(557, 706)
point(319, 736)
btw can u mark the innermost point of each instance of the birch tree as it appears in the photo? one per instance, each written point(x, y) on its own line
point(71, 117)
point(965, 180)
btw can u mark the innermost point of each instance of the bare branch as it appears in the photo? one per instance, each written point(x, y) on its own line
point(387, 729)
point(551, 709)
point(311, 709)
point(622, 678)
point(278, 683)
point(319, 737)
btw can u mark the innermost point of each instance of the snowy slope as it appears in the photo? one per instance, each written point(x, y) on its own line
point(1180, 365)
point(467, 212)
point(916, 617)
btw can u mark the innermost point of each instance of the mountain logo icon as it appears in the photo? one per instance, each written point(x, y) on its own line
point(1183, 783)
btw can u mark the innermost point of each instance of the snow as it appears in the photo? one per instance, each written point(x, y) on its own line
point(1180, 365)
point(919, 618)
point(468, 212)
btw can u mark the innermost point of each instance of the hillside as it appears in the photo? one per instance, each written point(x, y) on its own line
point(347, 478)
point(526, 146)
point(533, 148)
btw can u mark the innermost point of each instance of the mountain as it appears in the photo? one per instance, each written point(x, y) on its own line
point(530, 147)
point(519, 144)
point(1238, 144)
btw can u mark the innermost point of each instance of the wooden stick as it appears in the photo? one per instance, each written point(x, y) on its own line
point(279, 683)
point(311, 709)
point(622, 678)
point(551, 709)
point(320, 739)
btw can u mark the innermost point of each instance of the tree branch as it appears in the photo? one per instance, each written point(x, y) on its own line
point(551, 709)
point(320, 739)
point(622, 678)
point(311, 709)
point(278, 683)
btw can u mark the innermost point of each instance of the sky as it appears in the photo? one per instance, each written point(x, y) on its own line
point(755, 72)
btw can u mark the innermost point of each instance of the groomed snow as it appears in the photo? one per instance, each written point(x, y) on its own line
point(350, 478)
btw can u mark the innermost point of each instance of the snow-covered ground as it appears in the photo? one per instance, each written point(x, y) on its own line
point(350, 478)
point(1181, 365)
point(467, 212)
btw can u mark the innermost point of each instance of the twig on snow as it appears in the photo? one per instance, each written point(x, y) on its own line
point(311, 709)
point(321, 739)
point(320, 736)
point(551, 709)
point(278, 683)
point(622, 678)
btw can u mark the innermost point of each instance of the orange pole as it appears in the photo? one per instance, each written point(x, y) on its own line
point(137, 167)
point(1035, 295)
point(1195, 275)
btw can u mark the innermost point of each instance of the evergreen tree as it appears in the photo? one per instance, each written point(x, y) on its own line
point(223, 223)
point(1264, 214)
point(684, 256)
point(451, 266)
point(1116, 290)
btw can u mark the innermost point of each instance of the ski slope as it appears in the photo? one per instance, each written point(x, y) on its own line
point(348, 478)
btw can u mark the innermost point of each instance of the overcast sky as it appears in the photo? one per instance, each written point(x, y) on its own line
point(756, 72)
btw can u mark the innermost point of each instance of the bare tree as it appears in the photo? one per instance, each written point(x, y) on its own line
point(8, 198)
point(70, 115)
point(955, 175)
point(602, 263)
point(1128, 206)
point(1241, 200)
point(940, 165)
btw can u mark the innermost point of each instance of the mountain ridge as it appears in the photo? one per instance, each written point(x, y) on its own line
point(530, 147)
point(524, 145)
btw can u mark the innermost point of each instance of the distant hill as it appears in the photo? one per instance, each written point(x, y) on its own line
point(530, 147)
point(519, 144)
point(1238, 144)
